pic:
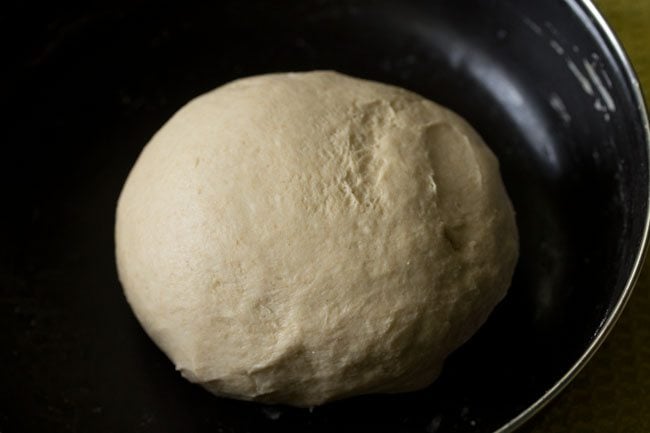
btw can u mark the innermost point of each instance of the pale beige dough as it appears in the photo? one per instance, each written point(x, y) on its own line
point(304, 237)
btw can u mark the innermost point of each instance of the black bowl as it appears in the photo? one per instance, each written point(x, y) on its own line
point(545, 83)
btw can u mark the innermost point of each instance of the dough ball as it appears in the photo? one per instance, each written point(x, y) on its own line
point(299, 238)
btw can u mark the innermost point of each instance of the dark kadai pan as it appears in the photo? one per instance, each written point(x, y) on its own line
point(544, 82)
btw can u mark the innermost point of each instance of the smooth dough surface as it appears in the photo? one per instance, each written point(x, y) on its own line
point(299, 238)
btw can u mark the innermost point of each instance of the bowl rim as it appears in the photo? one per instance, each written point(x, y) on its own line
point(588, 8)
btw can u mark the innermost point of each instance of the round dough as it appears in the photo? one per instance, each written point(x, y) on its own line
point(299, 238)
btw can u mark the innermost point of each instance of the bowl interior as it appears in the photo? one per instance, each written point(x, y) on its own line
point(538, 81)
